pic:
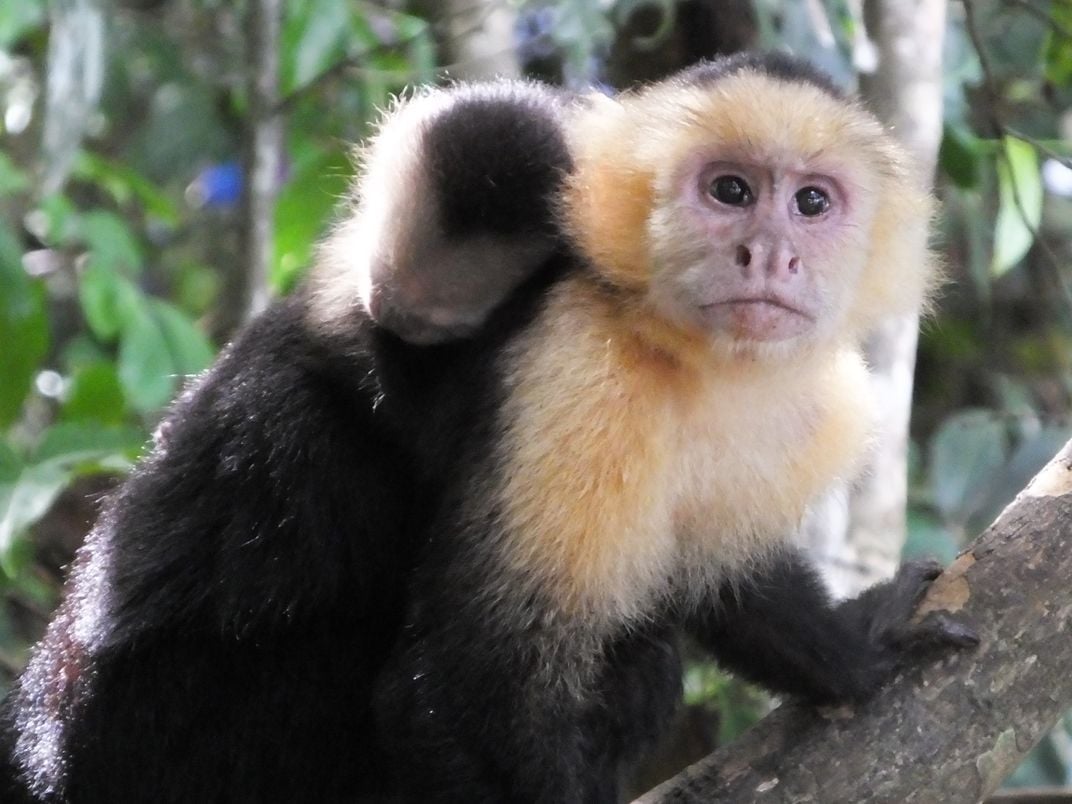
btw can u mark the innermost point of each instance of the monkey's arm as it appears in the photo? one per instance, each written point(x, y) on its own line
point(454, 207)
point(780, 629)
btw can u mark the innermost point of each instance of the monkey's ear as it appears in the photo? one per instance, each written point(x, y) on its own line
point(454, 207)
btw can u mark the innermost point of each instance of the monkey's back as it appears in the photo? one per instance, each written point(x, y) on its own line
point(233, 606)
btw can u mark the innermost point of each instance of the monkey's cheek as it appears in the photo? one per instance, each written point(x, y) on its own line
point(761, 321)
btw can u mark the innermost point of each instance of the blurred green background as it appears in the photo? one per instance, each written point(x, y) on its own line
point(123, 143)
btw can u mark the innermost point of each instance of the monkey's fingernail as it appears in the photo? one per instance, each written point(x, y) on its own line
point(959, 633)
point(931, 570)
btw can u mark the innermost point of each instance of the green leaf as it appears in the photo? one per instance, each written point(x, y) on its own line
point(80, 442)
point(12, 179)
point(108, 300)
point(95, 395)
point(959, 157)
point(24, 333)
point(19, 17)
point(1057, 55)
point(322, 42)
point(111, 241)
point(82, 350)
point(319, 39)
point(124, 184)
point(665, 11)
point(10, 464)
point(65, 452)
point(196, 287)
point(146, 367)
point(32, 494)
point(191, 351)
point(966, 453)
point(55, 220)
point(304, 209)
point(1020, 204)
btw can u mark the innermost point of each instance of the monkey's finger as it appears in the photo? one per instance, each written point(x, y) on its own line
point(899, 597)
point(922, 571)
point(937, 631)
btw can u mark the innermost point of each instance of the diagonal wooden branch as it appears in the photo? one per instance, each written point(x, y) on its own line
point(948, 731)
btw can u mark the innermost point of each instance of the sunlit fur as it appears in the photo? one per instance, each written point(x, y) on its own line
point(394, 252)
point(638, 451)
point(390, 208)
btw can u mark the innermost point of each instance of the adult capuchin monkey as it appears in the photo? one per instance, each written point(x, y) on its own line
point(448, 566)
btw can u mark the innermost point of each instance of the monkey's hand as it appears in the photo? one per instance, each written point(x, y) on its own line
point(780, 630)
point(885, 615)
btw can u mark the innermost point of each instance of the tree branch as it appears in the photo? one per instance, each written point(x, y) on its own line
point(950, 731)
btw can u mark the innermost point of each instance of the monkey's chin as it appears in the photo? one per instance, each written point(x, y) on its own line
point(757, 320)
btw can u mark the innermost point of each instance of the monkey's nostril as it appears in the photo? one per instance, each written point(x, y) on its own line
point(794, 265)
point(744, 256)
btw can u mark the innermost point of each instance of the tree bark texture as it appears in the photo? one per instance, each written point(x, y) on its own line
point(949, 731)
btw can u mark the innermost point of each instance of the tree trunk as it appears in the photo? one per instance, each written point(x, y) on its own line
point(949, 731)
point(475, 37)
point(246, 290)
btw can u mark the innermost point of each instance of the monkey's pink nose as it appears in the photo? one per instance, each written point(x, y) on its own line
point(777, 260)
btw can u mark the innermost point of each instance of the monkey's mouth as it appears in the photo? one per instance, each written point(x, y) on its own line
point(771, 301)
point(761, 318)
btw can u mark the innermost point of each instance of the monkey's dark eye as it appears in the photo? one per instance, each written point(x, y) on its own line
point(812, 201)
point(731, 190)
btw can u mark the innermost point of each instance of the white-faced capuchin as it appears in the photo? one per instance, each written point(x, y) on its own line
point(560, 385)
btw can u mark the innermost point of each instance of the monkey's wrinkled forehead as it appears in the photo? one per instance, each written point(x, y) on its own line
point(775, 111)
point(753, 114)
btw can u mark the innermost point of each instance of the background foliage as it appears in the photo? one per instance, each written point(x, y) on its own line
point(121, 151)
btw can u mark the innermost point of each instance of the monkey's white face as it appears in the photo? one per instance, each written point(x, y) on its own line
point(757, 253)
